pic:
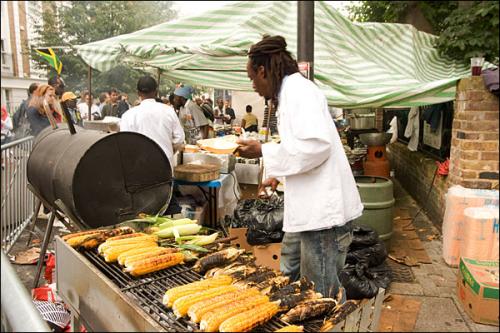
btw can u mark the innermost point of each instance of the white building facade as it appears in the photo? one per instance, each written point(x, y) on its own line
point(18, 70)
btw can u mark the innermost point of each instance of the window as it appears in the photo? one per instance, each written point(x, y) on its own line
point(3, 54)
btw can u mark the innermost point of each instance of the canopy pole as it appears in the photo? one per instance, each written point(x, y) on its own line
point(90, 92)
point(159, 76)
point(305, 34)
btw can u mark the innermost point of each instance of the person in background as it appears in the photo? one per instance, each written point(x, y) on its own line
point(219, 112)
point(191, 116)
point(123, 105)
point(321, 197)
point(68, 102)
point(58, 84)
point(42, 105)
point(155, 120)
point(229, 115)
point(111, 109)
point(7, 127)
point(21, 125)
point(103, 99)
point(83, 106)
point(249, 122)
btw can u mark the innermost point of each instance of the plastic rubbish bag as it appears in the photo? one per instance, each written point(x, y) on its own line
point(363, 236)
point(262, 217)
point(361, 282)
point(373, 255)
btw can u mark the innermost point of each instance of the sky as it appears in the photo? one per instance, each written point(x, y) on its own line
point(190, 8)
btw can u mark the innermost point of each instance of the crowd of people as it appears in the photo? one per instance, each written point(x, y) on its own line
point(47, 103)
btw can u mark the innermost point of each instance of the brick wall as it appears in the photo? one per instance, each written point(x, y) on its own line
point(474, 146)
point(414, 171)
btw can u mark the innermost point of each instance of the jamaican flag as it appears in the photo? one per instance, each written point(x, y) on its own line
point(49, 55)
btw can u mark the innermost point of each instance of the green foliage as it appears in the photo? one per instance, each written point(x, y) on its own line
point(463, 31)
point(80, 22)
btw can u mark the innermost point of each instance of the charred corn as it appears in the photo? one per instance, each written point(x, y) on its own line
point(81, 233)
point(111, 254)
point(309, 309)
point(173, 294)
point(79, 240)
point(155, 264)
point(158, 251)
point(211, 320)
point(245, 321)
point(217, 259)
point(132, 235)
point(130, 253)
point(106, 245)
point(181, 305)
point(197, 310)
point(291, 328)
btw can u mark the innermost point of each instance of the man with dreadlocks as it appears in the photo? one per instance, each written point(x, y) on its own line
point(321, 198)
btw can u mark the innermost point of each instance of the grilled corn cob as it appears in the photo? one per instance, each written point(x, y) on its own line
point(181, 305)
point(291, 328)
point(245, 321)
point(119, 242)
point(155, 264)
point(173, 294)
point(112, 253)
point(309, 309)
point(125, 259)
point(217, 259)
point(81, 233)
point(211, 320)
point(340, 312)
point(197, 310)
point(127, 254)
point(79, 240)
point(131, 235)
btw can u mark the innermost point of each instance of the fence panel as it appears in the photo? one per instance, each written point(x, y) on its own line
point(17, 201)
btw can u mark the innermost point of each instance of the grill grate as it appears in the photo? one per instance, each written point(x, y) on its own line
point(148, 291)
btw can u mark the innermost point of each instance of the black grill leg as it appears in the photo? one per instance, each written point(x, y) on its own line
point(43, 250)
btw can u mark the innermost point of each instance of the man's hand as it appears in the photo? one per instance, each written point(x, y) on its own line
point(249, 148)
point(269, 182)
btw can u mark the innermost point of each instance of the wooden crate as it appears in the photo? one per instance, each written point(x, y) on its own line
point(365, 318)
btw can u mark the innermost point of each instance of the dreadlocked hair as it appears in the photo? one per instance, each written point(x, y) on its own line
point(271, 53)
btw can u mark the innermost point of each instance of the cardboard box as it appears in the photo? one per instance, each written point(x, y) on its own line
point(477, 290)
point(248, 191)
point(268, 255)
point(241, 241)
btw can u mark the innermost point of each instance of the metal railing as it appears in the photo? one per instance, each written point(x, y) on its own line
point(17, 201)
point(19, 314)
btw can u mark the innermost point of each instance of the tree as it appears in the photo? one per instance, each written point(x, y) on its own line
point(81, 22)
point(465, 28)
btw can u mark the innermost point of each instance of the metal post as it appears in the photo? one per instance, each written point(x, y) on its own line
point(159, 75)
point(305, 34)
point(90, 92)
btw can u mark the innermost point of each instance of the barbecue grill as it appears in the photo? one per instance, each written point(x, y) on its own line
point(102, 178)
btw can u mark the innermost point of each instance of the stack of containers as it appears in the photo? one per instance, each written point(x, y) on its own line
point(470, 225)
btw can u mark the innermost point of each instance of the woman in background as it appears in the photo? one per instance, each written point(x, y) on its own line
point(42, 109)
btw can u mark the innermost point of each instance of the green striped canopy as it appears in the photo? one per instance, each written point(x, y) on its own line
point(355, 64)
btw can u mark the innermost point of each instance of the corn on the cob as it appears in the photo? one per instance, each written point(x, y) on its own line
point(155, 264)
point(247, 320)
point(181, 305)
point(119, 242)
point(81, 233)
point(127, 254)
point(151, 253)
point(197, 310)
point(291, 328)
point(79, 240)
point(112, 253)
point(132, 235)
point(211, 320)
point(173, 294)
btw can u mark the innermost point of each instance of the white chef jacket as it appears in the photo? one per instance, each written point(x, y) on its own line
point(320, 190)
point(84, 110)
point(158, 122)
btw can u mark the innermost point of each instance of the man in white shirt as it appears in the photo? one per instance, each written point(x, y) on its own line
point(83, 106)
point(321, 198)
point(155, 120)
point(191, 116)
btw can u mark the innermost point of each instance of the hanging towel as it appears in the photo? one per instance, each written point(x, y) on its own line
point(412, 128)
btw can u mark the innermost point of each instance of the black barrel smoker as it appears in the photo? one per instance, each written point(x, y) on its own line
point(103, 178)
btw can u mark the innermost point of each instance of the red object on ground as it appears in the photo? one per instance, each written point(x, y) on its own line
point(44, 293)
point(50, 265)
point(443, 168)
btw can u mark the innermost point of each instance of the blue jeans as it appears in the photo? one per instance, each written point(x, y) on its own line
point(317, 255)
